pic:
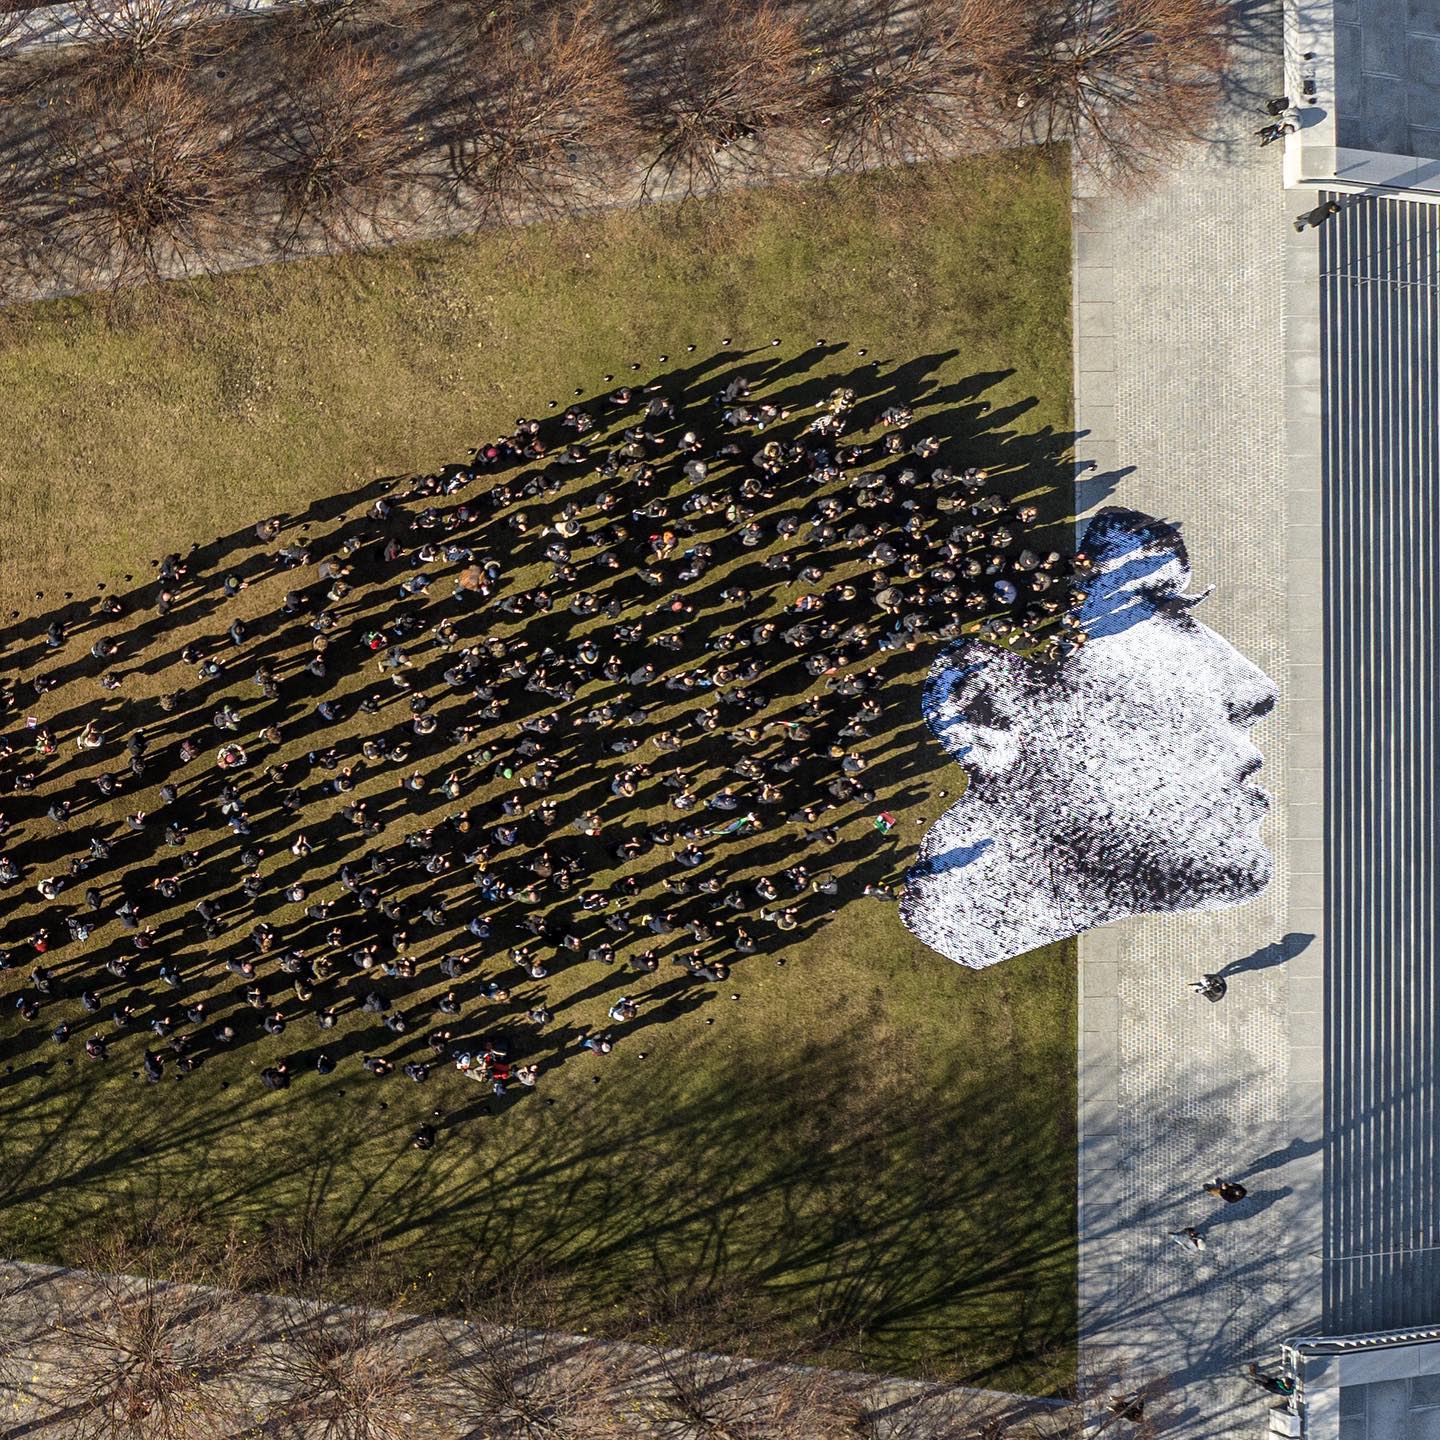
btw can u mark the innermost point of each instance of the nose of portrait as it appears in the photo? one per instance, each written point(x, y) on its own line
point(1247, 692)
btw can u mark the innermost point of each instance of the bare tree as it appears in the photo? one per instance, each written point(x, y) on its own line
point(135, 1355)
point(18, 1360)
point(339, 152)
point(464, 25)
point(340, 22)
point(1124, 82)
point(357, 1370)
point(542, 123)
point(914, 79)
point(153, 181)
point(730, 80)
point(698, 1388)
point(353, 1372)
point(874, 1411)
point(699, 1395)
point(12, 26)
point(24, 235)
point(126, 38)
point(516, 1374)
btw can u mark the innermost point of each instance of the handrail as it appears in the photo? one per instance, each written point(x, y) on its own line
point(1374, 1340)
point(1295, 1351)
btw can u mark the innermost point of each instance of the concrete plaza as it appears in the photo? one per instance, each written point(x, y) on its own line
point(1192, 347)
point(1275, 393)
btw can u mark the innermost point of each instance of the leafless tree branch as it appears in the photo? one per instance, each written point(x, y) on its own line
point(127, 38)
point(520, 1376)
point(914, 79)
point(357, 1372)
point(542, 124)
point(340, 151)
point(326, 22)
point(731, 80)
point(696, 1386)
point(153, 178)
point(143, 1358)
point(1124, 82)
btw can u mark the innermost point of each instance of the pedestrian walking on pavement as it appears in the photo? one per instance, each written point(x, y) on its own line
point(1230, 1191)
point(1313, 219)
point(1270, 1384)
point(1287, 122)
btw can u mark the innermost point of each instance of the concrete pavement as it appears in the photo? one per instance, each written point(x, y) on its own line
point(1196, 357)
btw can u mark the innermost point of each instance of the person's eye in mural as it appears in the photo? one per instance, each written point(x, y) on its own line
point(1115, 780)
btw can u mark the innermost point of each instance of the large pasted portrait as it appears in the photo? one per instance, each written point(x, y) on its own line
point(1115, 781)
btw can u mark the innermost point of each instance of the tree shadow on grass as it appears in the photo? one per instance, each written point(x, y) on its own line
point(828, 1185)
point(716, 1173)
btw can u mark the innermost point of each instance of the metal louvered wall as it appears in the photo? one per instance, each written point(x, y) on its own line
point(1380, 328)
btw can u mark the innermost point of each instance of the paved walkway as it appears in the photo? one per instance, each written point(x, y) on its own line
point(39, 1390)
point(1196, 381)
point(422, 203)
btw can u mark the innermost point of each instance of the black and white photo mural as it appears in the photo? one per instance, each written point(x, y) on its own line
point(1115, 781)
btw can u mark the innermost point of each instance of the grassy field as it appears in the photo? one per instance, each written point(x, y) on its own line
point(875, 1145)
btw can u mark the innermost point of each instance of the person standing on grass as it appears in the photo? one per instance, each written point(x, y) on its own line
point(644, 539)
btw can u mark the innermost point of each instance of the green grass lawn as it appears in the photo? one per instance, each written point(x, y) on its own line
point(875, 1145)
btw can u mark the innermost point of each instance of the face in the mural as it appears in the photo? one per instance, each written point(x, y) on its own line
point(1116, 782)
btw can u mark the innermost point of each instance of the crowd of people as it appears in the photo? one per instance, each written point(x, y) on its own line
point(607, 696)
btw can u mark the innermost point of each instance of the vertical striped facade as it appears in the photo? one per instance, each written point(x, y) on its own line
point(1380, 329)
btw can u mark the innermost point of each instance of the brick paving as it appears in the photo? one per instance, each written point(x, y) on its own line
point(1195, 383)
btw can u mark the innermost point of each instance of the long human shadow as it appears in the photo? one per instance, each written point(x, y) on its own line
point(1268, 956)
point(1297, 1149)
point(1093, 486)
